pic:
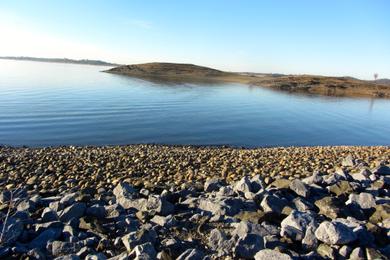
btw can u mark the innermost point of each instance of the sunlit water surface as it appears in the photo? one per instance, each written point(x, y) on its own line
point(48, 104)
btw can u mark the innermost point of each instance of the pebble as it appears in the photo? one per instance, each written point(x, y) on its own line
point(150, 201)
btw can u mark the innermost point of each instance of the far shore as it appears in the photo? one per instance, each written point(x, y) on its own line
point(309, 84)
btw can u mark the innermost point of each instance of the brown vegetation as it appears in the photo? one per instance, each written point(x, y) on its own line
point(321, 85)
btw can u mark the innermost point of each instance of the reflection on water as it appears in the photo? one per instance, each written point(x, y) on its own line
point(61, 104)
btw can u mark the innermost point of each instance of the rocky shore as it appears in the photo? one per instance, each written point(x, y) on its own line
point(168, 202)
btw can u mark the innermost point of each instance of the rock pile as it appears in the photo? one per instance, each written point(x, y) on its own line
point(343, 214)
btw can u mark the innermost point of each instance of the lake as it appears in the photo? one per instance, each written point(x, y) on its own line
point(50, 104)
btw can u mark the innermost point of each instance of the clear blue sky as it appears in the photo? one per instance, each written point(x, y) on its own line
point(328, 37)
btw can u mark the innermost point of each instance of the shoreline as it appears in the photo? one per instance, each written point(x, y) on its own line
point(186, 202)
point(300, 84)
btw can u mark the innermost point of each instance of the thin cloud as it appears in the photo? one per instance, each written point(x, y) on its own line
point(143, 24)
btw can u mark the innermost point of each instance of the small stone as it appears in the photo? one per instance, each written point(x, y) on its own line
point(334, 233)
point(268, 254)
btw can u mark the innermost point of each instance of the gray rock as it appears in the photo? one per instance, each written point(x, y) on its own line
point(299, 188)
point(310, 242)
point(167, 221)
point(257, 183)
point(243, 185)
point(122, 256)
point(326, 251)
point(273, 204)
point(334, 233)
point(216, 239)
point(49, 215)
point(248, 246)
point(74, 211)
point(213, 184)
point(225, 191)
point(5, 196)
point(294, 225)
point(357, 254)
point(42, 239)
point(381, 170)
point(97, 256)
point(43, 226)
point(345, 251)
point(220, 206)
point(96, 211)
point(362, 176)
point(130, 203)
point(159, 205)
point(191, 254)
point(59, 248)
point(348, 161)
point(36, 254)
point(330, 207)
point(68, 199)
point(302, 204)
point(123, 189)
point(363, 200)
point(268, 254)
point(68, 257)
point(139, 237)
point(25, 205)
point(144, 251)
point(316, 178)
point(12, 230)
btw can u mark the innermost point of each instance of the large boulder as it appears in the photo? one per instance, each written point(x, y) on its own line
point(335, 233)
point(294, 225)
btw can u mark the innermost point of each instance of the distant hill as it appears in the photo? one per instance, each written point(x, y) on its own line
point(163, 69)
point(383, 81)
point(62, 60)
point(309, 84)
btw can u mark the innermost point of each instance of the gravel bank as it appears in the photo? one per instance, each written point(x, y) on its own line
point(167, 202)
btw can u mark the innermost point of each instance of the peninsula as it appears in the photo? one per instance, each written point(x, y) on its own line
point(310, 84)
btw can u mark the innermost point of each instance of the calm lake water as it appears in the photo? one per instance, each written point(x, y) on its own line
point(48, 104)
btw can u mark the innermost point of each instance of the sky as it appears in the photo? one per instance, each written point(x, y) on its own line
point(324, 37)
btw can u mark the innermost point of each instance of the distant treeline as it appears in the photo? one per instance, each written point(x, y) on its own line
point(62, 60)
